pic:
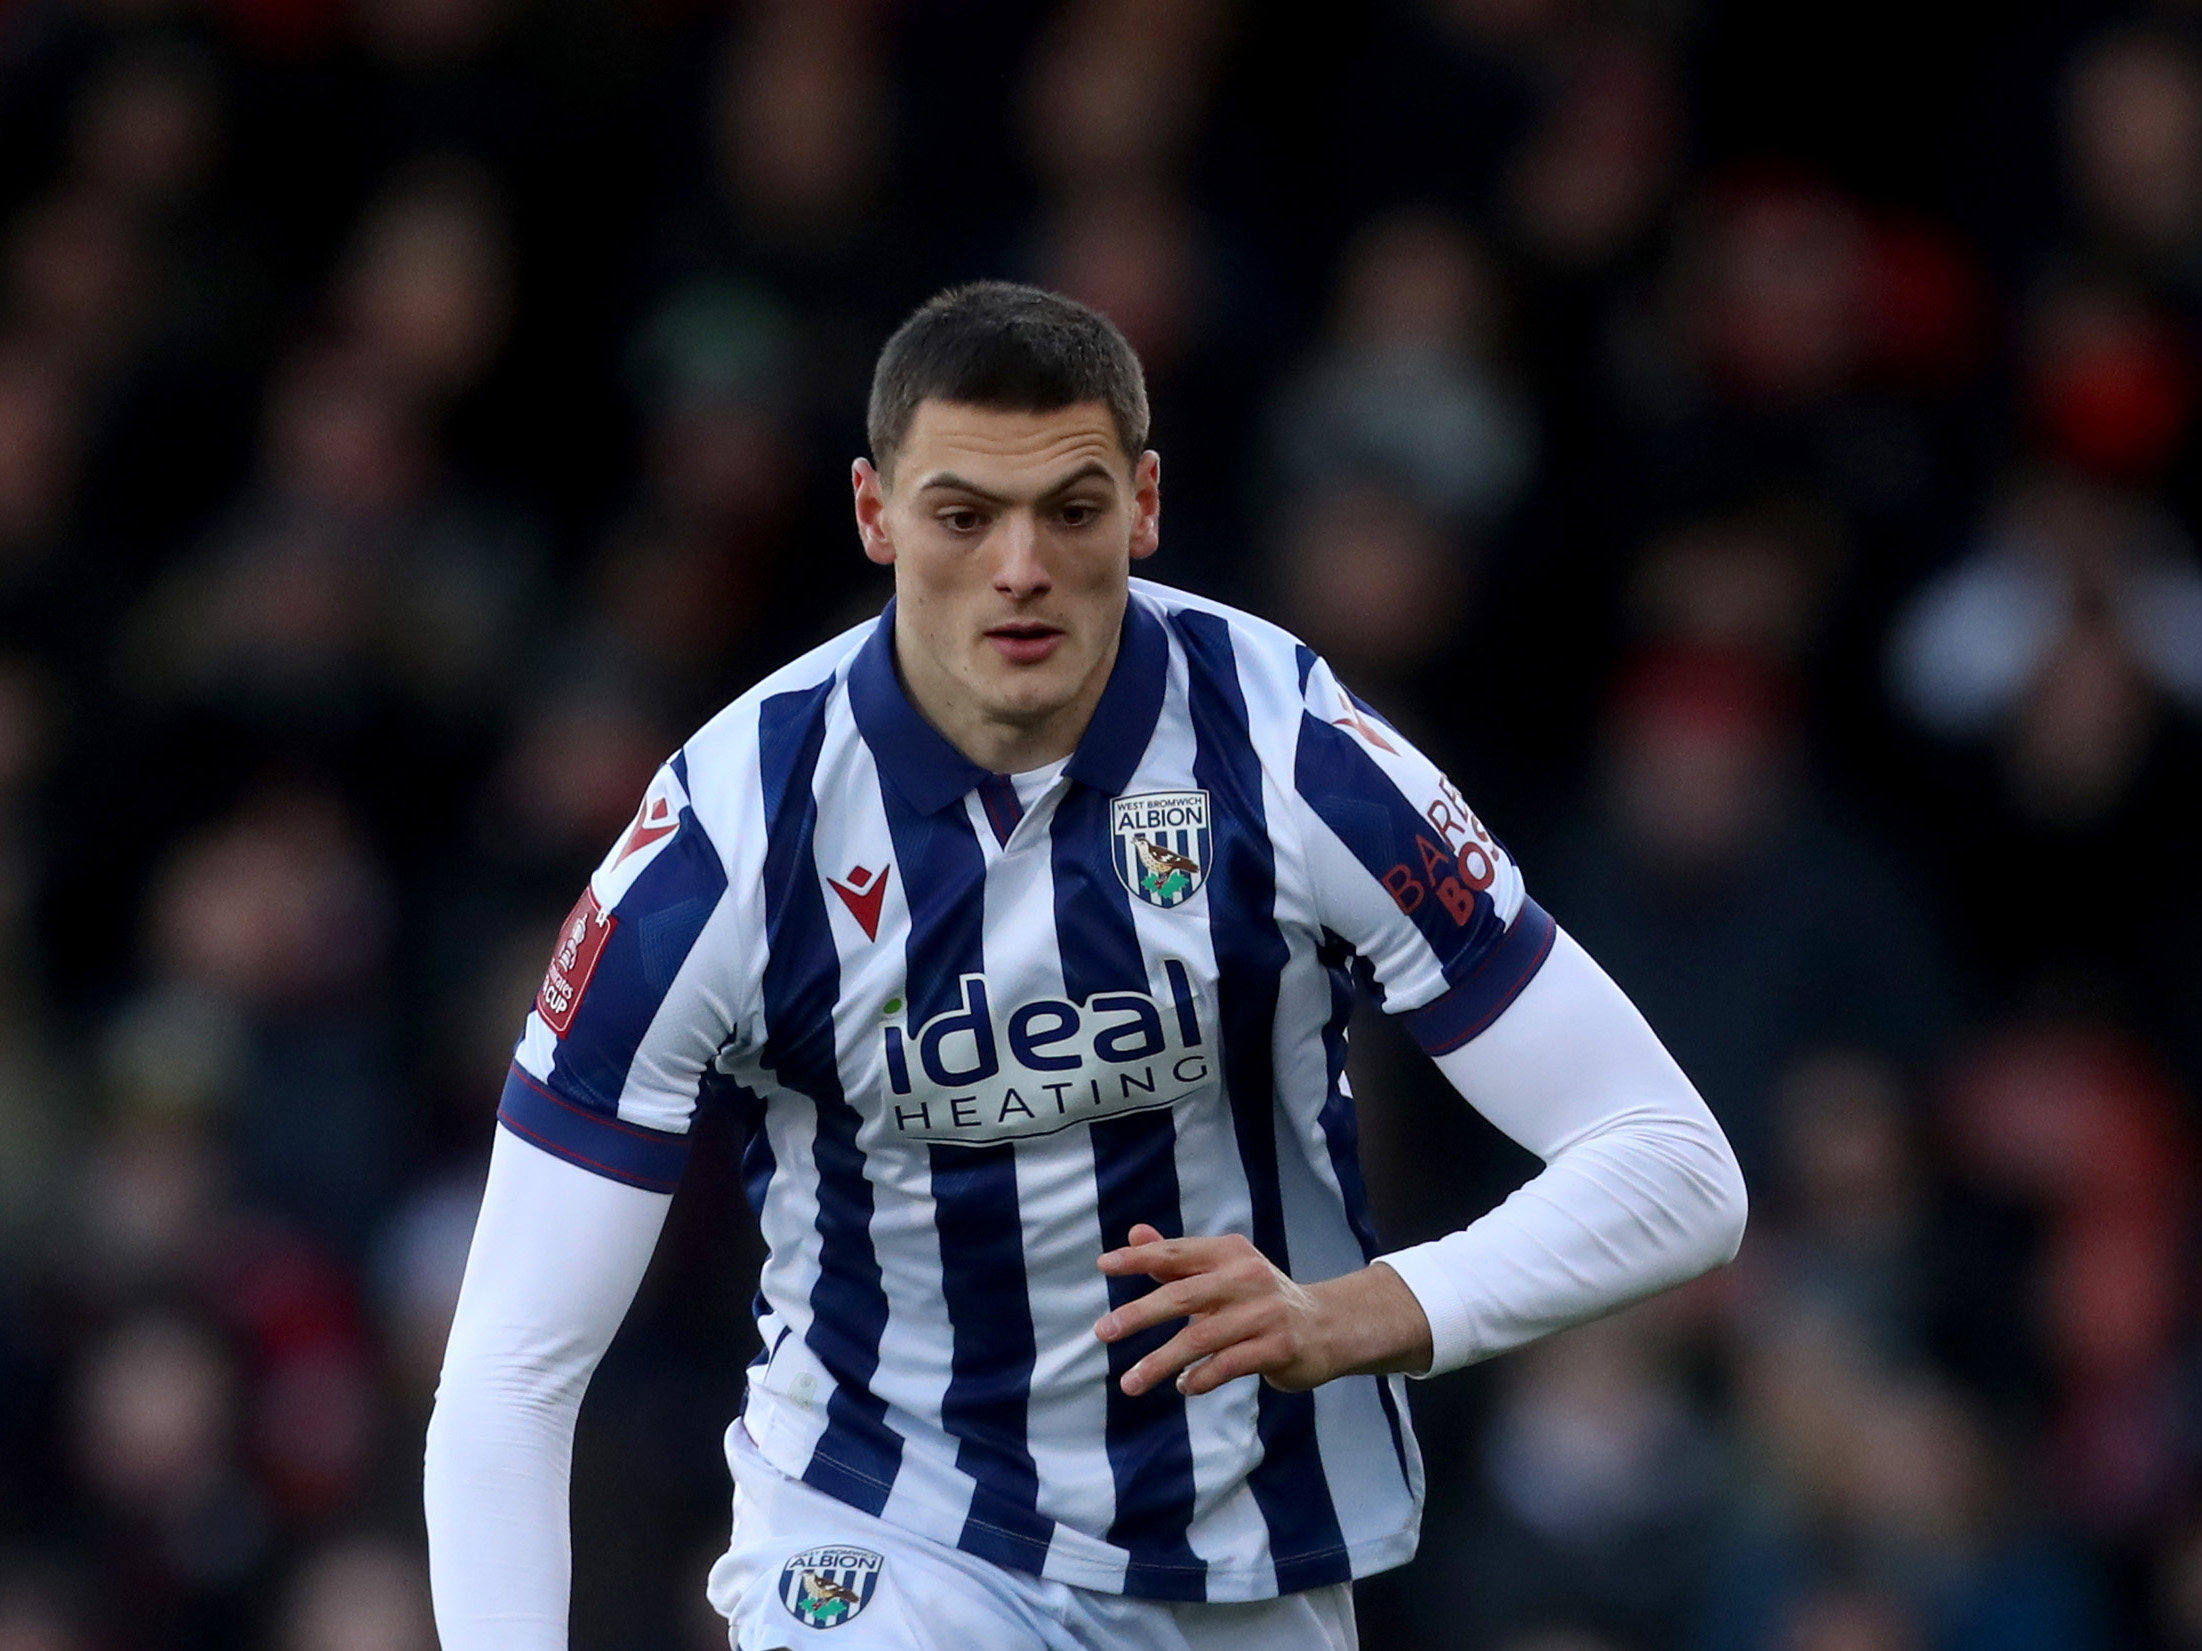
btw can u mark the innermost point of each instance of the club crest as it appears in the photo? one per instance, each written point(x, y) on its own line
point(1162, 844)
point(825, 1587)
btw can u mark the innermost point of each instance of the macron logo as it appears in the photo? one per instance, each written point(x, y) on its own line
point(652, 821)
point(1355, 722)
point(862, 894)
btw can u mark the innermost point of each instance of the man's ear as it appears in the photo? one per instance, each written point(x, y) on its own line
point(870, 489)
point(1146, 505)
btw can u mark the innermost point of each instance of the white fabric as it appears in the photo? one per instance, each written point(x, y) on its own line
point(821, 823)
point(1640, 1192)
point(1640, 1189)
point(1035, 783)
point(927, 1596)
point(558, 1254)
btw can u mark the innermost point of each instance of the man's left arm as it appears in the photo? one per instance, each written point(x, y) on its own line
point(1640, 1191)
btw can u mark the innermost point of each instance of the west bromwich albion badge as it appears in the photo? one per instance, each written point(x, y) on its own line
point(825, 1587)
point(1162, 844)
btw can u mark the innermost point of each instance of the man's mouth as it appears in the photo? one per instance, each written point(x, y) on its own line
point(1024, 642)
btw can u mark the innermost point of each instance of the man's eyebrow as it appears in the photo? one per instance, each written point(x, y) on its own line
point(954, 483)
point(1084, 473)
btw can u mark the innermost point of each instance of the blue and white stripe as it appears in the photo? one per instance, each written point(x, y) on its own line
point(950, 1116)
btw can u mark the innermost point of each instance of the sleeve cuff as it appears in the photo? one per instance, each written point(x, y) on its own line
point(1469, 1005)
point(1424, 1270)
point(628, 1153)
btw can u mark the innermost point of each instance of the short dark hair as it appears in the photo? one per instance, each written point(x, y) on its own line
point(1004, 345)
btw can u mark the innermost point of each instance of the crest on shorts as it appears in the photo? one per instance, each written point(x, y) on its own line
point(825, 1587)
point(1161, 844)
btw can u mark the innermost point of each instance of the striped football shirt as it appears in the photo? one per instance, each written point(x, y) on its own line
point(975, 1031)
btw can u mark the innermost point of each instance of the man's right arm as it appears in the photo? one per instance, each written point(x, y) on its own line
point(558, 1255)
point(648, 982)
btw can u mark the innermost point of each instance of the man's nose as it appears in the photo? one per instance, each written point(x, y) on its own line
point(1020, 572)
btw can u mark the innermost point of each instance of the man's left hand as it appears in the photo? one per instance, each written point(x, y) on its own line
point(1249, 1319)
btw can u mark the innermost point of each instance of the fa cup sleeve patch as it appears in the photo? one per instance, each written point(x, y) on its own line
point(580, 943)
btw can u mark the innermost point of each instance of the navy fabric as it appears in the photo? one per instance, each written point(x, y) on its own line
point(933, 1285)
point(1358, 801)
point(929, 773)
point(647, 1158)
point(1341, 1129)
point(975, 1210)
point(1342, 1136)
point(1482, 993)
point(1124, 720)
point(998, 795)
point(990, 1381)
point(1289, 1487)
point(758, 1161)
point(657, 921)
point(1392, 1421)
point(859, 1455)
point(1135, 1176)
point(914, 757)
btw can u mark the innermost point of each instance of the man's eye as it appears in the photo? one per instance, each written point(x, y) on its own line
point(962, 521)
point(1079, 515)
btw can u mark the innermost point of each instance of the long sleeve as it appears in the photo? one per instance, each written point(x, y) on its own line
point(1640, 1190)
point(558, 1254)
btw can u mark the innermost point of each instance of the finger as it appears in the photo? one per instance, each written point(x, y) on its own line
point(1256, 1356)
point(1230, 1273)
point(1200, 1340)
point(1179, 1299)
point(1245, 1337)
point(1168, 1258)
point(1214, 1359)
point(1143, 1254)
point(1142, 1233)
point(1154, 1260)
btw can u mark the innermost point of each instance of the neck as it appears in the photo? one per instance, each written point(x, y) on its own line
point(999, 742)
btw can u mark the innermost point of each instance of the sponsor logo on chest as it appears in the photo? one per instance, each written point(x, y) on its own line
point(982, 1071)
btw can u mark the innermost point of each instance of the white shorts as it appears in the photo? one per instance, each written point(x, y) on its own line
point(801, 1561)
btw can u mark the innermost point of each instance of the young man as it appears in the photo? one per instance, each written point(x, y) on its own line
point(1021, 928)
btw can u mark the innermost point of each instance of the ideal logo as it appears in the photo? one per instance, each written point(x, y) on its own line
point(975, 1074)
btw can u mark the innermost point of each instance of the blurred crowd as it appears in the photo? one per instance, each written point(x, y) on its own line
point(1760, 462)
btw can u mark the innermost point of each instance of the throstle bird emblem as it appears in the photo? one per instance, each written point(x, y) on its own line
point(1166, 872)
point(1162, 844)
point(831, 1592)
point(825, 1587)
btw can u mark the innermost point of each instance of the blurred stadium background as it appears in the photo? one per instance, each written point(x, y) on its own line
point(1752, 446)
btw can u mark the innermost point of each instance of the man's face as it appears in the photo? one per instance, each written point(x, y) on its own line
point(1012, 537)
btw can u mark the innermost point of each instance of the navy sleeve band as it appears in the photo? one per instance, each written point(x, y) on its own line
point(1460, 1012)
point(647, 1158)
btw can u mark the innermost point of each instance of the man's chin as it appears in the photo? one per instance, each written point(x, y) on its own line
point(1027, 695)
